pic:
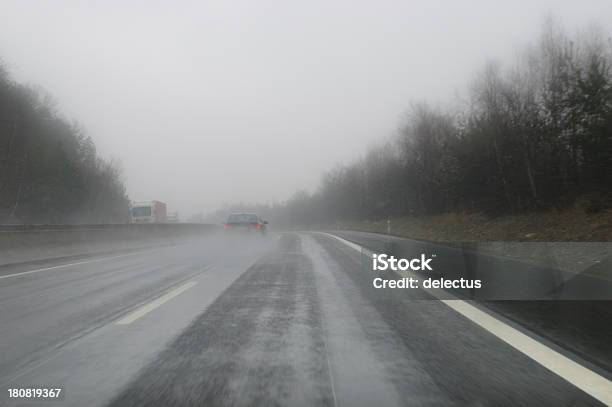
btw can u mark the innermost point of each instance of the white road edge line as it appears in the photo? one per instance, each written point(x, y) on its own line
point(23, 273)
point(585, 379)
point(145, 309)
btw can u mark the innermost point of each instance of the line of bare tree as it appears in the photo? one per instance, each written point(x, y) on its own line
point(49, 169)
point(532, 137)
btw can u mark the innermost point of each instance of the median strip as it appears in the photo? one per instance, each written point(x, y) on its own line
point(145, 309)
point(585, 379)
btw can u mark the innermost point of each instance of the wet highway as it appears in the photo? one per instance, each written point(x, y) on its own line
point(285, 320)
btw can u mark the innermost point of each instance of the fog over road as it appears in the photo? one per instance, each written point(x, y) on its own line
point(289, 319)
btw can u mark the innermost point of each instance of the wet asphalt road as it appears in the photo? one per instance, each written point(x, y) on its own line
point(287, 320)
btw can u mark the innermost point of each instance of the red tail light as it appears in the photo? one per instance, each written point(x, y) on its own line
point(227, 226)
point(257, 226)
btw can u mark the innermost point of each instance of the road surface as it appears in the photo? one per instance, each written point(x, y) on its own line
point(286, 320)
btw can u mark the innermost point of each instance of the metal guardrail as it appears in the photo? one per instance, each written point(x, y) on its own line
point(108, 226)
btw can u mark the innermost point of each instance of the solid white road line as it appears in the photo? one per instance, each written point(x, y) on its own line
point(145, 309)
point(23, 273)
point(585, 379)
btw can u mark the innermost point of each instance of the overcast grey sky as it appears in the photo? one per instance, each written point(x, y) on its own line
point(208, 102)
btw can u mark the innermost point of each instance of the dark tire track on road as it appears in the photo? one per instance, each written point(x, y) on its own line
point(260, 343)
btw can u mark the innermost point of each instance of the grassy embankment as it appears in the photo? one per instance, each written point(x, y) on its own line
point(573, 224)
